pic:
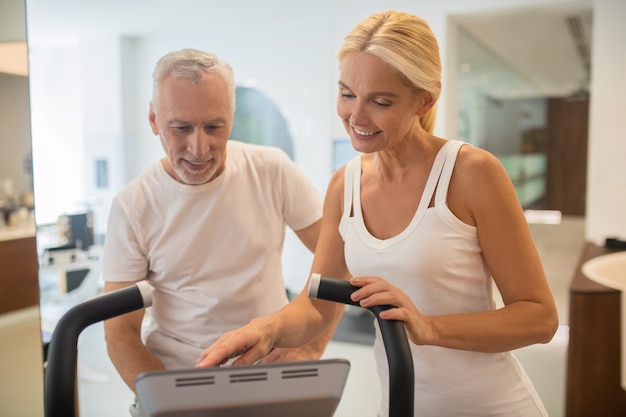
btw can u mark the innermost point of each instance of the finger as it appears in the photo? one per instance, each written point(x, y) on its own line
point(275, 355)
point(213, 357)
point(221, 352)
point(394, 314)
point(363, 280)
point(368, 297)
point(249, 357)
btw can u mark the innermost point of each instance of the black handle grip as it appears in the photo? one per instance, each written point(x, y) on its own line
point(399, 358)
point(60, 376)
point(336, 290)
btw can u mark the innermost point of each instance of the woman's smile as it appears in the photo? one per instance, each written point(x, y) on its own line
point(364, 132)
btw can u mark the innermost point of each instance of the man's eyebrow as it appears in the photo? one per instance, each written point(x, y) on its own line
point(185, 122)
point(177, 122)
point(216, 120)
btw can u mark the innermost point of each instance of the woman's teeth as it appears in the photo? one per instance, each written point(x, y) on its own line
point(362, 132)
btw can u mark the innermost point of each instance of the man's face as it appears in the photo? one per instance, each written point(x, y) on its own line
point(194, 122)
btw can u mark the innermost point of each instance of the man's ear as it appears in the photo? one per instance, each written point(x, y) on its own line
point(152, 119)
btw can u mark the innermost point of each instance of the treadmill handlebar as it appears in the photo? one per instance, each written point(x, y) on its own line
point(399, 358)
point(60, 375)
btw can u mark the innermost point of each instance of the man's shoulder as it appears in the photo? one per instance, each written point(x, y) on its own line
point(252, 148)
point(146, 179)
point(256, 155)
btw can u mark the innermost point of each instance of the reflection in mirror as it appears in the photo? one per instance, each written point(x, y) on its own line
point(21, 349)
point(502, 112)
point(535, 122)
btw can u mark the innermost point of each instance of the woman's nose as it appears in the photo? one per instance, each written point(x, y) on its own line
point(358, 115)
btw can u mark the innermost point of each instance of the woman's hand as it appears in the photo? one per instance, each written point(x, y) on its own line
point(375, 291)
point(304, 353)
point(248, 344)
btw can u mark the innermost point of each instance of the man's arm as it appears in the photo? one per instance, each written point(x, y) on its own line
point(123, 338)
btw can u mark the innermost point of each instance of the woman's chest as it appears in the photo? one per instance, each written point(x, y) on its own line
point(388, 209)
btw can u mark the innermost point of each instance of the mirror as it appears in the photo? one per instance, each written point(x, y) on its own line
point(534, 120)
point(21, 350)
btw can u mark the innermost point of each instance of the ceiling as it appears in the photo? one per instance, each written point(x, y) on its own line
point(548, 47)
point(534, 45)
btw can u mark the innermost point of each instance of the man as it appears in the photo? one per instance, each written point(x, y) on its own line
point(205, 226)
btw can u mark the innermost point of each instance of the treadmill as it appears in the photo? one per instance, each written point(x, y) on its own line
point(301, 388)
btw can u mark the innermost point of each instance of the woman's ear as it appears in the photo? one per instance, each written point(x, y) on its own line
point(426, 102)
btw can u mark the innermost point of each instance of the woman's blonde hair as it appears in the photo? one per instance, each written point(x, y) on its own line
point(407, 43)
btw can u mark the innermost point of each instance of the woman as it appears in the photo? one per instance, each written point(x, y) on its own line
point(424, 224)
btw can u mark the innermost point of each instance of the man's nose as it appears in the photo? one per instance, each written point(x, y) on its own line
point(198, 143)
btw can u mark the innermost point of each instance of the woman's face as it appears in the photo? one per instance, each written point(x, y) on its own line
point(378, 109)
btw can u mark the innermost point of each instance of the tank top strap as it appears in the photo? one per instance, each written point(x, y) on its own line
point(351, 179)
point(451, 152)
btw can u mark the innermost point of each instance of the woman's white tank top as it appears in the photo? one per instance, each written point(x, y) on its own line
point(438, 262)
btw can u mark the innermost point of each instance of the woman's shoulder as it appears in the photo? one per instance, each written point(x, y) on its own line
point(478, 179)
point(335, 185)
point(476, 163)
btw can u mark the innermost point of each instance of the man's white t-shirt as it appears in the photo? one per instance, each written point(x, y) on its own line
point(212, 252)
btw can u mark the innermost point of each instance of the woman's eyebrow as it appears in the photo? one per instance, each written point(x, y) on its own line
point(373, 94)
point(341, 84)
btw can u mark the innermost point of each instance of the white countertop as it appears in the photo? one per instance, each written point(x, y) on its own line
point(10, 233)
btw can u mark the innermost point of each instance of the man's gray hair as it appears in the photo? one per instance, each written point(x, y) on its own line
point(191, 65)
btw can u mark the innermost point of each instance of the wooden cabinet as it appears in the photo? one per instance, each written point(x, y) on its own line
point(19, 276)
point(593, 386)
point(566, 150)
